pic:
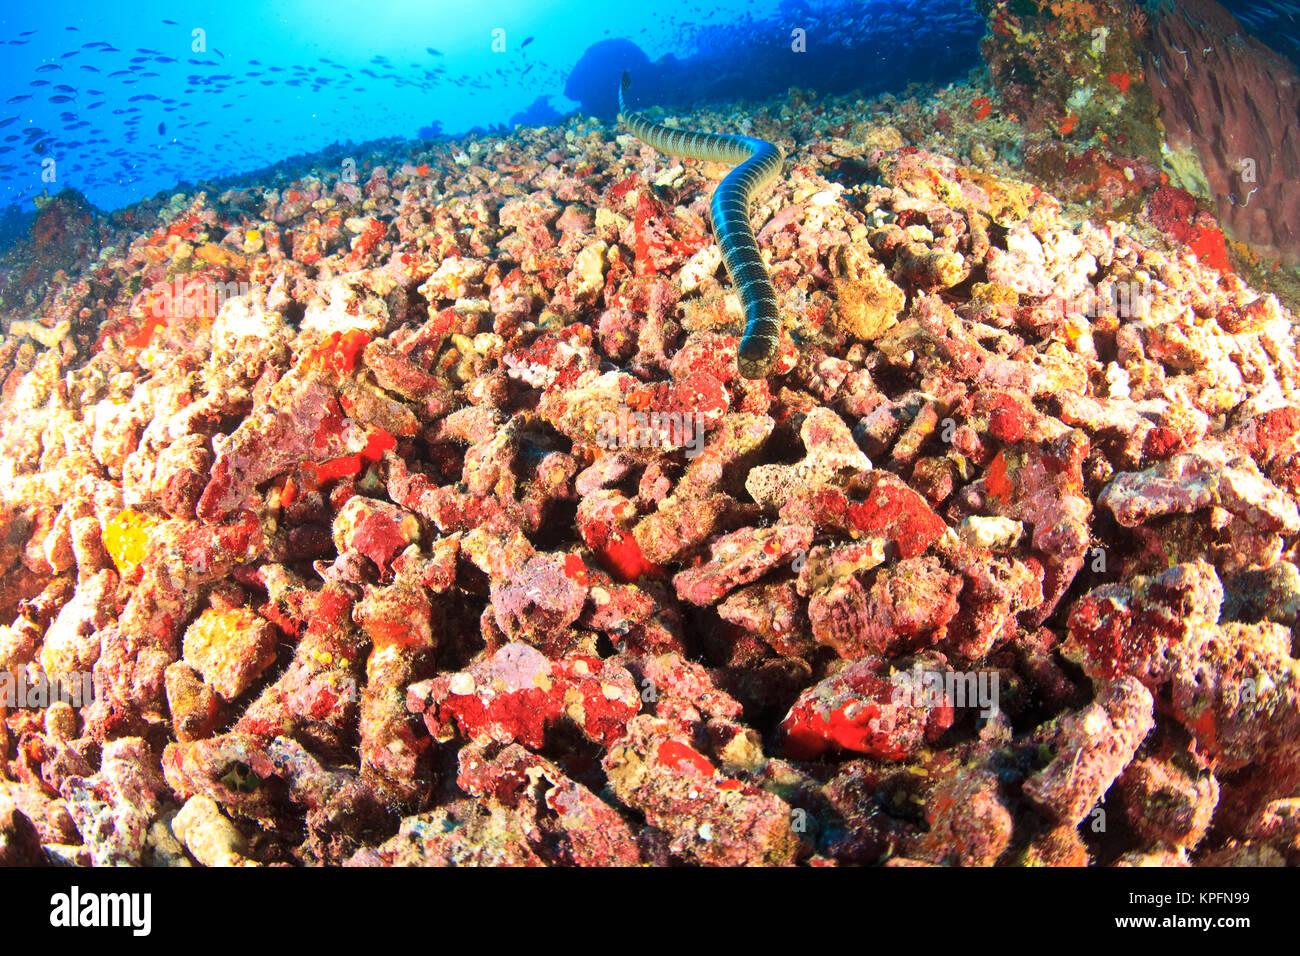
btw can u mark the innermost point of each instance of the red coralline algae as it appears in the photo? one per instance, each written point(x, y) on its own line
point(517, 694)
point(603, 521)
point(899, 514)
point(859, 708)
point(673, 754)
point(1174, 211)
point(339, 352)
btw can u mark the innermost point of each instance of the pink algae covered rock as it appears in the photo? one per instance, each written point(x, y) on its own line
point(1167, 803)
point(1237, 689)
point(542, 596)
point(315, 698)
point(460, 833)
point(1189, 483)
point(968, 822)
point(305, 425)
point(1139, 628)
point(260, 779)
point(565, 822)
point(708, 816)
point(771, 611)
point(832, 455)
point(114, 807)
point(684, 693)
point(376, 529)
point(400, 622)
point(861, 708)
point(1093, 746)
point(516, 694)
point(739, 558)
point(909, 606)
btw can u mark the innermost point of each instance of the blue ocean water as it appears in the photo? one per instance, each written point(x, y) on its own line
point(1276, 22)
point(123, 101)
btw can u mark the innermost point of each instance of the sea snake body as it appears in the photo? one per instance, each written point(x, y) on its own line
point(759, 161)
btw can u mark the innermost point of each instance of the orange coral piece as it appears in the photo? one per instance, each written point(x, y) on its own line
point(1211, 248)
point(126, 539)
point(339, 351)
point(142, 338)
point(1075, 16)
point(334, 468)
point(674, 754)
point(230, 647)
point(216, 255)
point(377, 442)
point(575, 569)
point(996, 481)
point(182, 226)
point(217, 627)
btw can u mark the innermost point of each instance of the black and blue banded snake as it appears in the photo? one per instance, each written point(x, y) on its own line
point(759, 162)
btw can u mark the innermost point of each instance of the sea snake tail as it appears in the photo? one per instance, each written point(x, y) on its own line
point(759, 162)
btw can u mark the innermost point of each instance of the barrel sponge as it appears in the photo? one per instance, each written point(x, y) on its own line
point(1236, 104)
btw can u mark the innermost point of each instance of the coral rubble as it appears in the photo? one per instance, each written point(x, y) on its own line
point(424, 519)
